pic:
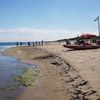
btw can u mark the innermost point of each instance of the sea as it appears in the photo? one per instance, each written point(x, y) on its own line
point(10, 68)
point(12, 43)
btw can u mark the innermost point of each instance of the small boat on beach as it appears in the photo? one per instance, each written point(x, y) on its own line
point(82, 47)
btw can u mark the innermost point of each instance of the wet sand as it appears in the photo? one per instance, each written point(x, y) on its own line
point(64, 74)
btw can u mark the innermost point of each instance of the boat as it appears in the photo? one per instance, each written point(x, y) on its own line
point(82, 47)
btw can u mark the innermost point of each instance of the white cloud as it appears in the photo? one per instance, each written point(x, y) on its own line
point(30, 34)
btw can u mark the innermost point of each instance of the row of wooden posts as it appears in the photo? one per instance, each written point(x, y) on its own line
point(37, 43)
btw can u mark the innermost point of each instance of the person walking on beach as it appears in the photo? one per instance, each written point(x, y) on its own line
point(33, 43)
point(36, 43)
point(42, 42)
point(39, 42)
point(59, 41)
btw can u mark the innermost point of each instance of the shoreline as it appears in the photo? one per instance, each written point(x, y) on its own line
point(48, 81)
point(71, 84)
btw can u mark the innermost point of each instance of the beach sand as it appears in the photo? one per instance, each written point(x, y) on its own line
point(64, 74)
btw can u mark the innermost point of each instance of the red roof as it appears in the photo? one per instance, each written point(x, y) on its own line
point(88, 35)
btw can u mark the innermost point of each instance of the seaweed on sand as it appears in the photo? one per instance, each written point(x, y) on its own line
point(28, 77)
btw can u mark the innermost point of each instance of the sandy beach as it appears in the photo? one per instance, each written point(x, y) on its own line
point(64, 74)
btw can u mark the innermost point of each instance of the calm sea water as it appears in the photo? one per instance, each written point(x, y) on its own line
point(10, 68)
point(11, 43)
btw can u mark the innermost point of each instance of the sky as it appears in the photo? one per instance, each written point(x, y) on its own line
point(31, 20)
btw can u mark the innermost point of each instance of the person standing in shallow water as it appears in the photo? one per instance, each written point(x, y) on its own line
point(17, 44)
point(29, 44)
point(20, 43)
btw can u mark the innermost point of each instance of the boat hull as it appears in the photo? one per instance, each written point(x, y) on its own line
point(82, 47)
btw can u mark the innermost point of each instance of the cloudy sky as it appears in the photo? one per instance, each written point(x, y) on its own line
point(31, 20)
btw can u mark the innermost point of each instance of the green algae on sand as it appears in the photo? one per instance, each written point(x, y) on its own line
point(28, 77)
